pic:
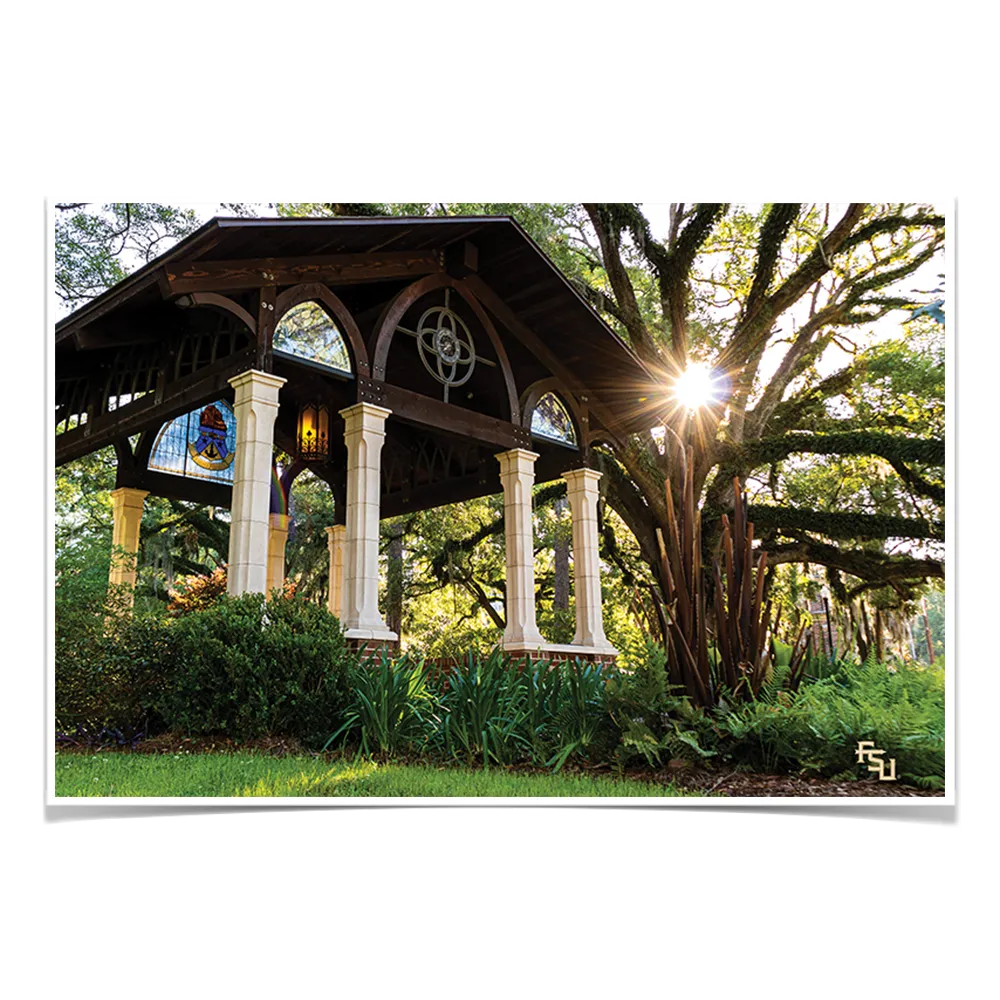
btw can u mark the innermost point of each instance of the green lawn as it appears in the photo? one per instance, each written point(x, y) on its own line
point(114, 774)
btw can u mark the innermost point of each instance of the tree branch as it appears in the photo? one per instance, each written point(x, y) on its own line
point(756, 325)
point(901, 572)
point(608, 236)
point(935, 491)
point(842, 524)
point(753, 454)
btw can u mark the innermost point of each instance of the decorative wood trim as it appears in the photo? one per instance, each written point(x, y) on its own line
point(179, 396)
point(397, 308)
point(183, 276)
point(533, 342)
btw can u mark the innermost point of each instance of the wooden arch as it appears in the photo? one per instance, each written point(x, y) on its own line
point(314, 291)
point(396, 309)
point(217, 301)
point(601, 436)
point(578, 412)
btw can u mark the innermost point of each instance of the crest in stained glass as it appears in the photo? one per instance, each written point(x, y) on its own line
point(200, 444)
point(550, 419)
point(308, 332)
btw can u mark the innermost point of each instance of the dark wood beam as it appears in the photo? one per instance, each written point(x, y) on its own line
point(484, 483)
point(163, 484)
point(461, 259)
point(186, 276)
point(90, 339)
point(150, 411)
point(425, 411)
point(265, 327)
point(440, 493)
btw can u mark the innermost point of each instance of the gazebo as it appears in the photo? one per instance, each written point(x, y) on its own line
point(407, 362)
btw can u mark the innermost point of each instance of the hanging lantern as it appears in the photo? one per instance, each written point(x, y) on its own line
point(314, 432)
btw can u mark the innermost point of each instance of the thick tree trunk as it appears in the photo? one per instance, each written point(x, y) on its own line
point(560, 600)
point(394, 601)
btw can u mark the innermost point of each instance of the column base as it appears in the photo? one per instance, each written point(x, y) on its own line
point(372, 640)
point(550, 652)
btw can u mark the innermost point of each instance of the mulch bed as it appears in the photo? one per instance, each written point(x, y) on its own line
point(172, 743)
point(751, 784)
point(680, 773)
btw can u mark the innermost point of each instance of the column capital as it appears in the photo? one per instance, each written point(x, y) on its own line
point(581, 479)
point(129, 495)
point(516, 460)
point(257, 378)
point(361, 412)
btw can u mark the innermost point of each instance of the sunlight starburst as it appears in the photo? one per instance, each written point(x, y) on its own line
point(695, 387)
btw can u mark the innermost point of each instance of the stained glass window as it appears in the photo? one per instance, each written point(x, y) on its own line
point(200, 444)
point(308, 332)
point(550, 419)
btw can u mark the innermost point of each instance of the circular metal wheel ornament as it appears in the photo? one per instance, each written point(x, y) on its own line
point(445, 346)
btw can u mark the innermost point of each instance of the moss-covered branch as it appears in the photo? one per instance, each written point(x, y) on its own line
point(891, 447)
point(902, 573)
point(916, 482)
point(842, 524)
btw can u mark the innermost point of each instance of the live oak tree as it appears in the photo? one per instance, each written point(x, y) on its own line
point(845, 466)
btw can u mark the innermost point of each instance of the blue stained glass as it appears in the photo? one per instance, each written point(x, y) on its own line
point(200, 444)
point(550, 419)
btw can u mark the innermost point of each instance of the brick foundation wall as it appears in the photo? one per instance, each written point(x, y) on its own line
point(365, 646)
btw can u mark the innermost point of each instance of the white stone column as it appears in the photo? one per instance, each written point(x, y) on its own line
point(276, 541)
point(335, 537)
point(582, 492)
point(127, 504)
point(517, 473)
point(364, 433)
point(256, 407)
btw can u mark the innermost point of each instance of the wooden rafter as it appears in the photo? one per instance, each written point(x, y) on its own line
point(185, 276)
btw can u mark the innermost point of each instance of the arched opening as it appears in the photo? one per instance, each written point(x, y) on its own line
point(302, 505)
point(307, 331)
point(551, 421)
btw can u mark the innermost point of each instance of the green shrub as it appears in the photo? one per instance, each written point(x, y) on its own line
point(390, 708)
point(818, 729)
point(503, 712)
point(815, 730)
point(110, 667)
point(248, 668)
point(487, 713)
point(654, 722)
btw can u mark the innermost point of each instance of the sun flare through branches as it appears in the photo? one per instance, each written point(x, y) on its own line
point(695, 387)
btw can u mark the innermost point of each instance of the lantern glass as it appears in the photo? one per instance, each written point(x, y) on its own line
point(314, 432)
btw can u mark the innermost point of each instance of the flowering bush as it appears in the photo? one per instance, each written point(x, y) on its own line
point(195, 593)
